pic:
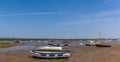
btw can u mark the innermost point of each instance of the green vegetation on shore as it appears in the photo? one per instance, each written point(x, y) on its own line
point(4, 43)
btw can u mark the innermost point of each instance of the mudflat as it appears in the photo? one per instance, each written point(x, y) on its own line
point(78, 54)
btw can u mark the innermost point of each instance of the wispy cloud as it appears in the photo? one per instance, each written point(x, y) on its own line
point(108, 13)
point(106, 1)
point(90, 21)
point(105, 13)
point(37, 13)
point(104, 16)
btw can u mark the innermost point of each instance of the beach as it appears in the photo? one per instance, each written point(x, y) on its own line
point(78, 54)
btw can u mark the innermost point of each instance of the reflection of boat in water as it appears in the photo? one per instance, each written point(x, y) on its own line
point(103, 45)
point(50, 52)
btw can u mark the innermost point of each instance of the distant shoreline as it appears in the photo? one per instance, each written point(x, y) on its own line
point(28, 39)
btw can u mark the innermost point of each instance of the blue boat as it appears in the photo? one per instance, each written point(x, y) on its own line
point(50, 53)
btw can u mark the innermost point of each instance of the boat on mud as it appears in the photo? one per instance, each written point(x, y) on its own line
point(103, 45)
point(50, 52)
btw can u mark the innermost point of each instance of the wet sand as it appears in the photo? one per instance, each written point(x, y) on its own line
point(78, 54)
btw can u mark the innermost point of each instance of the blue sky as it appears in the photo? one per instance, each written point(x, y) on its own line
point(60, 18)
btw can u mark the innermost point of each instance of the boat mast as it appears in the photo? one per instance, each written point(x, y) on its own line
point(99, 35)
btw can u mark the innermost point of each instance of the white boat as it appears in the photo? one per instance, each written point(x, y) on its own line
point(90, 43)
point(50, 52)
point(48, 48)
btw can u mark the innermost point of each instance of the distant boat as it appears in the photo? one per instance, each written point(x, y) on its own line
point(31, 41)
point(90, 43)
point(53, 44)
point(39, 41)
point(50, 52)
point(103, 45)
point(81, 44)
point(17, 41)
point(66, 44)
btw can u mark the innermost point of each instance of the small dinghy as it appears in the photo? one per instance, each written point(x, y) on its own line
point(50, 52)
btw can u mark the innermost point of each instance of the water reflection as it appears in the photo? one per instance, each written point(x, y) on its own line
point(24, 47)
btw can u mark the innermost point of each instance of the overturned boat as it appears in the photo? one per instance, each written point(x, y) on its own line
point(50, 52)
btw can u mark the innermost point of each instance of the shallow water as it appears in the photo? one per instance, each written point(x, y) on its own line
point(30, 45)
point(24, 47)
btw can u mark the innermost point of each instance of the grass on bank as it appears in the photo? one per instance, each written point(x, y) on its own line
point(4, 42)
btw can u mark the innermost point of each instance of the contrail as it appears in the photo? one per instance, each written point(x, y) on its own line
point(38, 13)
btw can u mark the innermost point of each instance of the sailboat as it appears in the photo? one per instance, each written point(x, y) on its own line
point(100, 44)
